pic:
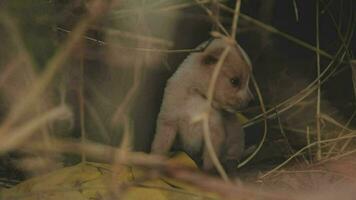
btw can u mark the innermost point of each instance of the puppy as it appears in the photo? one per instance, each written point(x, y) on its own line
point(185, 97)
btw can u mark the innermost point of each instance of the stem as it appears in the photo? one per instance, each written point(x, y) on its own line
point(319, 151)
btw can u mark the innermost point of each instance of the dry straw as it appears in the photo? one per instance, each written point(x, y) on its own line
point(14, 133)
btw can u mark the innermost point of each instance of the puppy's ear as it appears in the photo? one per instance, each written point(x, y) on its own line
point(211, 58)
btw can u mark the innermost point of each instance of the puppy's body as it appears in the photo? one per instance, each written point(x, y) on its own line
point(185, 99)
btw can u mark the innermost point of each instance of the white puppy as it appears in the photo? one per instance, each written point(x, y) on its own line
point(185, 98)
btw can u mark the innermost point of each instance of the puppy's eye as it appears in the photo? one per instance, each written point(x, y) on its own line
point(235, 81)
point(209, 60)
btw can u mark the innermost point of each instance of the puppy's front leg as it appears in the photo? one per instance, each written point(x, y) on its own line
point(235, 138)
point(217, 139)
point(164, 138)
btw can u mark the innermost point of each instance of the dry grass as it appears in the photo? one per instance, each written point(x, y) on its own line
point(36, 112)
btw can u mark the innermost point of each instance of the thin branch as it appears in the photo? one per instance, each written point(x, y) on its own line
point(207, 134)
point(16, 137)
point(235, 19)
point(82, 103)
point(319, 150)
point(263, 108)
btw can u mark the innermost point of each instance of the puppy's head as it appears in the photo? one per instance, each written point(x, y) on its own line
point(232, 86)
